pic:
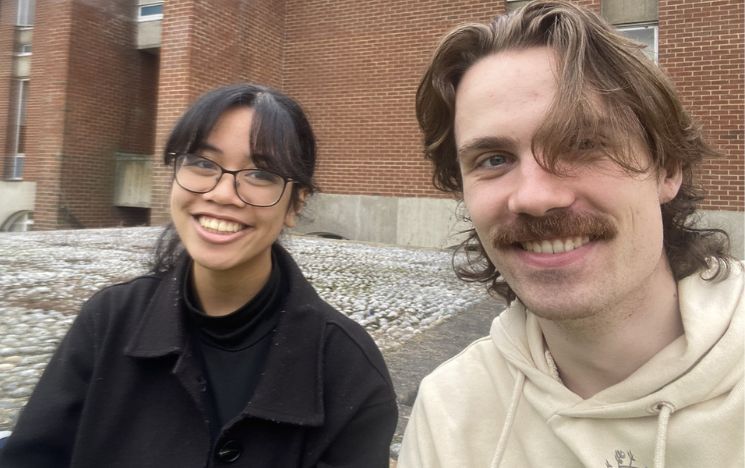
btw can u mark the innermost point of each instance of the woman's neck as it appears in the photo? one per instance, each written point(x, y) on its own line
point(221, 292)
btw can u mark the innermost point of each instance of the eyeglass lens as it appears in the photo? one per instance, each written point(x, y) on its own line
point(254, 186)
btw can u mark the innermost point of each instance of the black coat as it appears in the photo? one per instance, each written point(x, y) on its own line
point(125, 389)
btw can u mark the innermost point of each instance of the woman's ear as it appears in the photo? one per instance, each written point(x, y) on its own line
point(295, 207)
point(669, 184)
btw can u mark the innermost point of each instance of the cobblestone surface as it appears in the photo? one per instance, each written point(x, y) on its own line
point(396, 293)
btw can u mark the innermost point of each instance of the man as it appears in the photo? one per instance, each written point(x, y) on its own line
point(623, 341)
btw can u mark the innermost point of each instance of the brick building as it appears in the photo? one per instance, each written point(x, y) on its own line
point(89, 90)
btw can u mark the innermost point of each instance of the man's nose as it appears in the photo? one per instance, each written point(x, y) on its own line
point(539, 191)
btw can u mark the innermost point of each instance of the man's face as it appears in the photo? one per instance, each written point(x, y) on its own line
point(571, 245)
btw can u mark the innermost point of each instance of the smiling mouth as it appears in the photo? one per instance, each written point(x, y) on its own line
point(220, 225)
point(555, 246)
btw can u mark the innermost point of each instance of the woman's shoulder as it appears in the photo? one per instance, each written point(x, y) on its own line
point(138, 287)
point(123, 299)
point(348, 343)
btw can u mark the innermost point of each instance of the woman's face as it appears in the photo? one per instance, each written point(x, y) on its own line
point(220, 231)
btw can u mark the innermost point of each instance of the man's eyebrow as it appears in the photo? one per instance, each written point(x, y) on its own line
point(485, 143)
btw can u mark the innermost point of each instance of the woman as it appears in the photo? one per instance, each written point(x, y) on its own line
point(225, 353)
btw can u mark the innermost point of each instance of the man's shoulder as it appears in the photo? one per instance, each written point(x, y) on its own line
point(715, 287)
point(478, 363)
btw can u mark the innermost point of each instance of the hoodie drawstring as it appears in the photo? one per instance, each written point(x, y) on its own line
point(508, 420)
point(665, 410)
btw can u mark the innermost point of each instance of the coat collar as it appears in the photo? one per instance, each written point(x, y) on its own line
point(291, 389)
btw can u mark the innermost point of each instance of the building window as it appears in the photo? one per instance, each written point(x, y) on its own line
point(150, 12)
point(23, 49)
point(645, 34)
point(25, 13)
point(19, 221)
point(14, 168)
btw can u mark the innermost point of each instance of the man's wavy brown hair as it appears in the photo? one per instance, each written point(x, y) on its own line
point(608, 90)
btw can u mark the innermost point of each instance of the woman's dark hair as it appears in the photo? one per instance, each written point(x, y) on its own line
point(280, 132)
point(593, 63)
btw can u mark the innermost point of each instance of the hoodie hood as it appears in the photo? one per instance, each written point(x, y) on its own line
point(499, 403)
point(702, 365)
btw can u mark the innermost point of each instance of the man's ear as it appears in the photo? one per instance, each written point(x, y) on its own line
point(669, 184)
point(294, 209)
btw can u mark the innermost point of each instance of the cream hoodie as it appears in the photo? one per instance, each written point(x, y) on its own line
point(499, 403)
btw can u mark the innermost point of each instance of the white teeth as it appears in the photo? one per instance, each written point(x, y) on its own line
point(555, 245)
point(219, 225)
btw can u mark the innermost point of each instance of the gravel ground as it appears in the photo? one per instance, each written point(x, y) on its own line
point(396, 293)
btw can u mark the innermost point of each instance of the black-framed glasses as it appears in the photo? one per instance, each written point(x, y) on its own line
point(256, 187)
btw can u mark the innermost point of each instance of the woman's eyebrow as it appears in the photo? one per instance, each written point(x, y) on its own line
point(206, 146)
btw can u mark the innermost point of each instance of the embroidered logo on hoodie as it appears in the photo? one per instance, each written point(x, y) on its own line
point(623, 460)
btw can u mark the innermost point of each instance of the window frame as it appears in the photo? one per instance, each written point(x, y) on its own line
point(622, 28)
point(25, 50)
point(151, 17)
point(16, 159)
point(25, 12)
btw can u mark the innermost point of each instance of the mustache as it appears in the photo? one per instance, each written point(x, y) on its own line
point(554, 225)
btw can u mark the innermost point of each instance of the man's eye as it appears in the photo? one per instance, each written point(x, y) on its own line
point(586, 144)
point(494, 160)
point(590, 144)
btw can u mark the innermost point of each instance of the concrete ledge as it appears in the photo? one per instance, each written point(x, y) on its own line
point(419, 222)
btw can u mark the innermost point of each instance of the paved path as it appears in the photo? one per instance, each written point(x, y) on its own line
point(418, 356)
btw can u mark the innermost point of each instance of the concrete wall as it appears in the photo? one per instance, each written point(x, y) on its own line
point(733, 222)
point(433, 222)
point(16, 196)
point(629, 11)
point(421, 222)
point(132, 180)
point(148, 34)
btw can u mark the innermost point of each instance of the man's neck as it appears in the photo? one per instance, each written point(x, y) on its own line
point(596, 352)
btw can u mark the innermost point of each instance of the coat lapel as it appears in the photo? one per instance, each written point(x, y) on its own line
point(291, 389)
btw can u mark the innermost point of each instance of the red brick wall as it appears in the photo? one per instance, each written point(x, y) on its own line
point(46, 107)
point(7, 29)
point(204, 44)
point(91, 95)
point(701, 46)
point(102, 111)
point(355, 66)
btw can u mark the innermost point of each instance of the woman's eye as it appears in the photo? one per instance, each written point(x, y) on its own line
point(198, 162)
point(259, 177)
point(204, 164)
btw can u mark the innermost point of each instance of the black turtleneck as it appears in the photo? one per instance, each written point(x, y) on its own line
point(234, 346)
